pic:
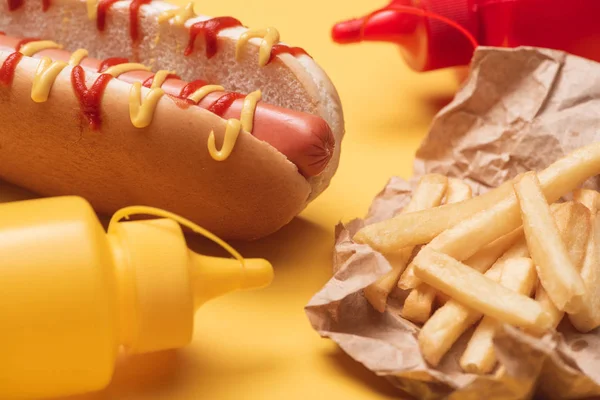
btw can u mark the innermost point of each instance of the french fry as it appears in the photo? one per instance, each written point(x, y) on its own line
point(408, 279)
point(557, 273)
point(588, 317)
point(421, 227)
point(519, 275)
point(417, 306)
point(589, 198)
point(573, 222)
point(556, 315)
point(465, 239)
point(479, 292)
point(377, 293)
point(518, 250)
point(443, 329)
point(558, 179)
point(429, 193)
point(457, 191)
point(419, 303)
point(451, 320)
point(511, 245)
point(480, 261)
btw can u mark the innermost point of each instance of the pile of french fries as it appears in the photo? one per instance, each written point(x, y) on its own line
point(510, 256)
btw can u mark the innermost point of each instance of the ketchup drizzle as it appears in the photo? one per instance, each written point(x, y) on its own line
point(45, 5)
point(282, 48)
point(134, 11)
point(210, 29)
point(89, 98)
point(111, 62)
point(7, 71)
point(148, 82)
point(14, 4)
point(191, 88)
point(103, 6)
point(223, 103)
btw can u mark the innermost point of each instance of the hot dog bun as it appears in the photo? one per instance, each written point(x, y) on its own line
point(251, 194)
point(297, 83)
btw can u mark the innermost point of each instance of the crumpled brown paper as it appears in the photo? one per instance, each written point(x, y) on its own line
point(519, 110)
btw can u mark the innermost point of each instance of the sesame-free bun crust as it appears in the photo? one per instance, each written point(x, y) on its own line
point(48, 148)
point(296, 83)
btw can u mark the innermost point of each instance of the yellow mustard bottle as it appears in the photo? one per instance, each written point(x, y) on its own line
point(72, 294)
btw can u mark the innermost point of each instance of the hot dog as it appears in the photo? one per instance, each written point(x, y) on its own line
point(116, 143)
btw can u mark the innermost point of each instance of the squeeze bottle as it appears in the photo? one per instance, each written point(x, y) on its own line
point(73, 294)
point(435, 34)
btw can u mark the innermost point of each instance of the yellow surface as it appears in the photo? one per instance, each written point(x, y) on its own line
point(259, 345)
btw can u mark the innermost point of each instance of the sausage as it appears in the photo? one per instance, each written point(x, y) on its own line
point(305, 139)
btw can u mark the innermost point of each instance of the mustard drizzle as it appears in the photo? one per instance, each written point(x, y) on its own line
point(77, 57)
point(269, 36)
point(47, 70)
point(249, 109)
point(29, 49)
point(159, 78)
point(232, 131)
point(120, 69)
point(92, 9)
point(204, 91)
point(179, 15)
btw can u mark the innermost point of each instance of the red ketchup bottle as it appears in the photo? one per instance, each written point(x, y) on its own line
point(435, 34)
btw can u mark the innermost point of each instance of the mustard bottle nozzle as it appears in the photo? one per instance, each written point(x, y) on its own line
point(257, 273)
point(214, 276)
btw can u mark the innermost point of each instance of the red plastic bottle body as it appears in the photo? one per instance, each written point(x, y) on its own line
point(569, 25)
point(440, 33)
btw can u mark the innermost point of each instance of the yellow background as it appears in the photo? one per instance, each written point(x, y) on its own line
point(259, 345)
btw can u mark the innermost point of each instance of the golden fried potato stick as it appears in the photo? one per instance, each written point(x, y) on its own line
point(377, 293)
point(457, 191)
point(443, 329)
point(556, 315)
point(429, 193)
point(573, 221)
point(451, 320)
point(557, 273)
point(419, 303)
point(493, 250)
point(417, 306)
point(512, 245)
point(479, 292)
point(465, 239)
point(519, 275)
point(588, 317)
point(589, 198)
point(421, 227)
point(575, 225)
